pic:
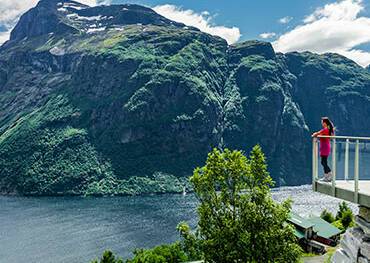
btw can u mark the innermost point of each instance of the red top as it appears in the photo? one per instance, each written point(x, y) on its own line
point(324, 143)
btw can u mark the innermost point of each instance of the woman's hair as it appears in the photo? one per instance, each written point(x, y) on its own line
point(329, 124)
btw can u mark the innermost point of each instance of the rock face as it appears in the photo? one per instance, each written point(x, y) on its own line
point(355, 245)
point(93, 96)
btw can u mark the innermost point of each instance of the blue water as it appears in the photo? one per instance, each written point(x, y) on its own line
point(74, 229)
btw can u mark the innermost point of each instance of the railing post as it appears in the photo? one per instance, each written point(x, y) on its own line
point(317, 159)
point(334, 166)
point(357, 159)
point(346, 160)
point(314, 161)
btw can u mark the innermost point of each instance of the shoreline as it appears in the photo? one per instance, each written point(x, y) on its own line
point(14, 194)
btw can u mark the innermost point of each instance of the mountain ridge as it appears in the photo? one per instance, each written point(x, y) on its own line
point(101, 111)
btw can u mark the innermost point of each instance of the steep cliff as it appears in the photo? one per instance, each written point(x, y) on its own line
point(100, 99)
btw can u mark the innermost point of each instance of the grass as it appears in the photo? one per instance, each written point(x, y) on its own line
point(330, 253)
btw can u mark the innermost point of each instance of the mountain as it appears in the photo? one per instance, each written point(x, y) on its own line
point(118, 99)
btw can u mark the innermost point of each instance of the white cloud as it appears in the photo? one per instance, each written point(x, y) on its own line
point(285, 20)
point(336, 27)
point(11, 10)
point(203, 21)
point(268, 35)
point(4, 36)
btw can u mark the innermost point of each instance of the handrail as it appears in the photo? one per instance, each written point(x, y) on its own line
point(344, 137)
point(356, 161)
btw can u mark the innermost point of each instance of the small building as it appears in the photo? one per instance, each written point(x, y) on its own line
point(303, 227)
point(326, 233)
point(314, 233)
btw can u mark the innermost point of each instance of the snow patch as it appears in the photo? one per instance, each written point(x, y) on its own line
point(73, 15)
point(74, 6)
point(62, 9)
point(56, 51)
point(93, 30)
point(86, 18)
point(118, 28)
point(89, 18)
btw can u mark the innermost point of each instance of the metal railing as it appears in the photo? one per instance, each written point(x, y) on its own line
point(348, 142)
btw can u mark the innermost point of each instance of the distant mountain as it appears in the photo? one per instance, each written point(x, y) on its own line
point(96, 99)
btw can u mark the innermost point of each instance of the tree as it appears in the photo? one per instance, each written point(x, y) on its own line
point(171, 253)
point(327, 216)
point(190, 242)
point(238, 219)
point(108, 257)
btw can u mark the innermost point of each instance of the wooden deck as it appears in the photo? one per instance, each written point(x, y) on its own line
point(346, 190)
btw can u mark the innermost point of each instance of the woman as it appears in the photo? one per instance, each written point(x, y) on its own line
point(328, 130)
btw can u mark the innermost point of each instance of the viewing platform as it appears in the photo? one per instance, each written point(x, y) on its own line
point(350, 164)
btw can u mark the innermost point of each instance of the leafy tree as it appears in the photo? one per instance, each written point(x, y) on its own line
point(108, 257)
point(327, 216)
point(190, 242)
point(238, 219)
point(171, 253)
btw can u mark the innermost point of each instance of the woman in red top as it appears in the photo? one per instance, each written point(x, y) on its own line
point(328, 130)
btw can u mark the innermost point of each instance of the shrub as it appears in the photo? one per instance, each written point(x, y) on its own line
point(345, 216)
point(172, 253)
point(342, 208)
point(347, 219)
point(338, 224)
point(327, 216)
point(108, 257)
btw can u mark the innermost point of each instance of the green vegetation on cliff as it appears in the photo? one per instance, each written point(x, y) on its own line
point(89, 109)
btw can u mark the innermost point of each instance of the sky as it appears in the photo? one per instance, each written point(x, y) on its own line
point(340, 26)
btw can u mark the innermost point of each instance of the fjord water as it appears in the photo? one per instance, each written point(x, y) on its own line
point(76, 229)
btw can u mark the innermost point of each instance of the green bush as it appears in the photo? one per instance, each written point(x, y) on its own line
point(345, 216)
point(342, 208)
point(347, 219)
point(327, 216)
point(172, 253)
point(108, 257)
point(338, 224)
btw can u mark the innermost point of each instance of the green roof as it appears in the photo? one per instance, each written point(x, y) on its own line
point(323, 228)
point(300, 221)
point(298, 234)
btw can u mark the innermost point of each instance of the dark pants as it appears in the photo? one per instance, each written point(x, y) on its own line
point(324, 162)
